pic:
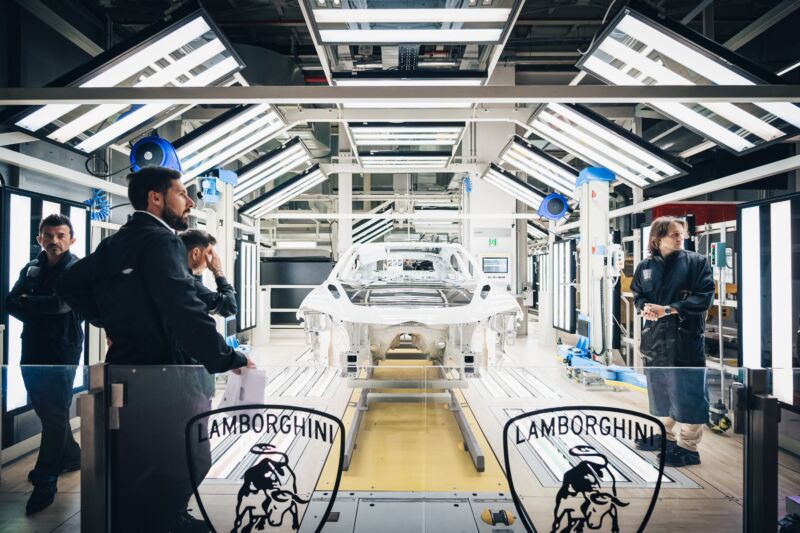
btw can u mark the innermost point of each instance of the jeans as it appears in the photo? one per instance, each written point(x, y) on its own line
point(50, 392)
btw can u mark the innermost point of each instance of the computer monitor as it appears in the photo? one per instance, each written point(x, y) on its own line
point(495, 265)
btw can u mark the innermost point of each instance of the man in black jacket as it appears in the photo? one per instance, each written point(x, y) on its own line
point(52, 334)
point(200, 254)
point(673, 289)
point(137, 286)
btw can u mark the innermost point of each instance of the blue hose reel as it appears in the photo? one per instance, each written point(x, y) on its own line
point(154, 151)
point(553, 207)
point(98, 205)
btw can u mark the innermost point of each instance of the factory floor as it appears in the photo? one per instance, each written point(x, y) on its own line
point(408, 453)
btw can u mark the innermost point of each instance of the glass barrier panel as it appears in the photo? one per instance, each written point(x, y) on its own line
point(40, 478)
point(402, 446)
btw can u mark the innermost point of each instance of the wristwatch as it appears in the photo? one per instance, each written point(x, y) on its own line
point(667, 310)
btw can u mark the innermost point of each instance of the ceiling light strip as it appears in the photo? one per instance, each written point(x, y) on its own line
point(214, 133)
point(416, 36)
point(134, 118)
point(390, 16)
point(98, 114)
point(613, 138)
point(691, 118)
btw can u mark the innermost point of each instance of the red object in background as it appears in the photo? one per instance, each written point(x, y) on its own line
point(704, 212)
point(316, 79)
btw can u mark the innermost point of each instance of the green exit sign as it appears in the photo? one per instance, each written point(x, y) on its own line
point(492, 242)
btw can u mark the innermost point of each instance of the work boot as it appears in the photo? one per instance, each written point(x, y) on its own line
point(653, 445)
point(44, 492)
point(682, 457)
point(186, 523)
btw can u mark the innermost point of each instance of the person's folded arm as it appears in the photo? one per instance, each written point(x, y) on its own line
point(172, 288)
point(15, 301)
point(74, 287)
point(701, 293)
point(226, 298)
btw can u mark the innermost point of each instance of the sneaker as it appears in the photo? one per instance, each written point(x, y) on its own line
point(682, 457)
point(186, 523)
point(653, 445)
point(44, 492)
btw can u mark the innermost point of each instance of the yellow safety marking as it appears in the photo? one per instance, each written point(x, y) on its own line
point(631, 386)
point(412, 447)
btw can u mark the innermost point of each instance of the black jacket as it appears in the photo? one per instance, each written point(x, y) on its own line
point(137, 286)
point(683, 281)
point(52, 333)
point(220, 302)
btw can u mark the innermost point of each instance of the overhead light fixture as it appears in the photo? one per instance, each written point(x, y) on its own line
point(364, 81)
point(509, 184)
point(271, 166)
point(371, 229)
point(600, 142)
point(408, 105)
point(284, 192)
point(636, 50)
point(295, 245)
point(413, 134)
point(563, 287)
point(422, 15)
point(416, 36)
point(525, 157)
point(191, 52)
point(535, 231)
point(227, 137)
point(405, 160)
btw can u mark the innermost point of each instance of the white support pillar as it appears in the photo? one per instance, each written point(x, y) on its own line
point(595, 301)
point(345, 230)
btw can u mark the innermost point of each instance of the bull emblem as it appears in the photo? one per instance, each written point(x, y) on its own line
point(581, 499)
point(585, 496)
point(274, 478)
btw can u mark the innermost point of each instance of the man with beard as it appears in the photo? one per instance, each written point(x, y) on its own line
point(52, 339)
point(137, 286)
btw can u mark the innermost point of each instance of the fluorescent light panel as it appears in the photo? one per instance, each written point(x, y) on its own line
point(535, 231)
point(636, 50)
point(515, 188)
point(284, 192)
point(416, 36)
point(782, 331)
point(445, 134)
point(227, 138)
point(751, 287)
point(393, 16)
point(398, 160)
point(407, 82)
point(270, 167)
point(525, 157)
point(599, 142)
point(164, 61)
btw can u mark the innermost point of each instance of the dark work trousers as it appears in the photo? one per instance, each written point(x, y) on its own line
point(50, 392)
point(150, 480)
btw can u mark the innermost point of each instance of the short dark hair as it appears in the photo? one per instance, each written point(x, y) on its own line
point(659, 229)
point(197, 238)
point(147, 179)
point(56, 220)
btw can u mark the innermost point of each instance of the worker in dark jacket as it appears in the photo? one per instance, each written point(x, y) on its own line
point(200, 254)
point(138, 287)
point(52, 334)
point(673, 289)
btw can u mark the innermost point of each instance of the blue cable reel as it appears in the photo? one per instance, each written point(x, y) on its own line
point(99, 208)
point(154, 151)
point(553, 207)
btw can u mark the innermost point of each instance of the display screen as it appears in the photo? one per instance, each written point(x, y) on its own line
point(495, 265)
point(230, 326)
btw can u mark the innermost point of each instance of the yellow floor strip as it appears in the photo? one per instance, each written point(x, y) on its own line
point(412, 447)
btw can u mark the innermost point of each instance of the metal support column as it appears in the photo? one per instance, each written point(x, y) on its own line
point(94, 453)
point(760, 454)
